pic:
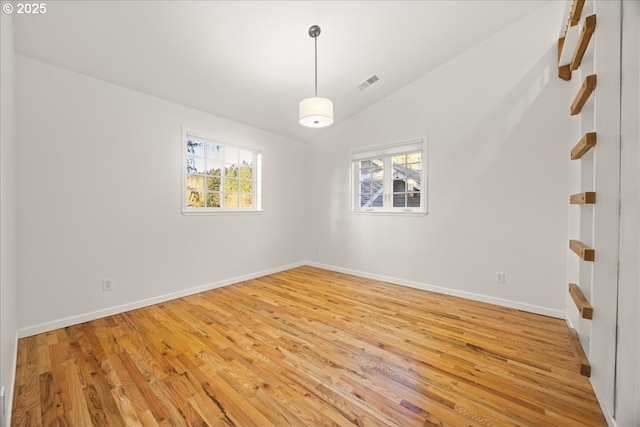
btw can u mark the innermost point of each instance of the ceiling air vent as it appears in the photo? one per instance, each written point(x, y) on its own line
point(371, 80)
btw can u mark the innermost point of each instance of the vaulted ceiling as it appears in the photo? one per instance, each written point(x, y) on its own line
point(253, 61)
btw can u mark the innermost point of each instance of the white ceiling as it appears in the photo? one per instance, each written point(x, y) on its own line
point(253, 61)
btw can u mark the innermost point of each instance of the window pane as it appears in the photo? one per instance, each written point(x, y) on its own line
point(195, 165)
point(414, 172)
point(366, 187)
point(195, 148)
point(372, 164)
point(230, 171)
point(195, 199)
point(231, 200)
point(408, 173)
point(413, 200)
point(195, 182)
point(414, 157)
point(399, 200)
point(371, 178)
point(246, 186)
point(214, 167)
point(364, 164)
point(246, 158)
point(371, 200)
point(191, 166)
point(230, 185)
point(246, 172)
point(399, 186)
point(377, 201)
point(214, 152)
point(371, 170)
point(213, 183)
point(231, 154)
point(246, 200)
point(400, 159)
point(213, 200)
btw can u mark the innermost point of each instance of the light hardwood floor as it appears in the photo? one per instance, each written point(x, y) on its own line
point(306, 347)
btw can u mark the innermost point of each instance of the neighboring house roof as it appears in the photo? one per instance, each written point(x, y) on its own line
point(399, 172)
point(402, 172)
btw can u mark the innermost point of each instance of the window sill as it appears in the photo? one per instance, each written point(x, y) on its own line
point(225, 212)
point(392, 213)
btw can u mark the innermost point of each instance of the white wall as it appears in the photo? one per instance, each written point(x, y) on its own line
point(627, 404)
point(495, 120)
point(99, 196)
point(8, 283)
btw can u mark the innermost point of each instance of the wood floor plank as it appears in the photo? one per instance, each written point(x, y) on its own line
point(127, 411)
point(306, 347)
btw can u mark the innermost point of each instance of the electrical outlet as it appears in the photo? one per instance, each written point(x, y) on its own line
point(107, 285)
point(500, 277)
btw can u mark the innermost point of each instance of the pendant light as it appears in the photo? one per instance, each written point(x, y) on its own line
point(316, 112)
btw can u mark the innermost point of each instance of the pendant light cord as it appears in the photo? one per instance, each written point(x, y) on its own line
point(316, 59)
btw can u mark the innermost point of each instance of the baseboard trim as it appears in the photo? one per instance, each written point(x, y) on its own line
point(12, 385)
point(447, 291)
point(611, 421)
point(86, 317)
point(569, 322)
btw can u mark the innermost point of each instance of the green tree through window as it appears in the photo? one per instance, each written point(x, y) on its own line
point(220, 176)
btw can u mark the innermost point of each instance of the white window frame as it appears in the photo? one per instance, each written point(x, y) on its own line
point(257, 176)
point(386, 152)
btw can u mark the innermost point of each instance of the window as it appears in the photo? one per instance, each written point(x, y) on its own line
point(220, 177)
point(390, 179)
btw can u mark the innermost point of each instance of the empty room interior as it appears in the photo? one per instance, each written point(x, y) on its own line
point(320, 213)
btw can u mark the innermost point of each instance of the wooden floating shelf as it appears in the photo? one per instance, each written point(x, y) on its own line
point(576, 11)
point(582, 250)
point(564, 71)
point(581, 357)
point(582, 304)
point(573, 44)
point(584, 145)
point(585, 36)
point(574, 15)
point(584, 93)
point(586, 198)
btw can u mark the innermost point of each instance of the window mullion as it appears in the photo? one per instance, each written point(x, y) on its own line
point(206, 172)
point(388, 184)
point(223, 178)
point(253, 179)
point(355, 186)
